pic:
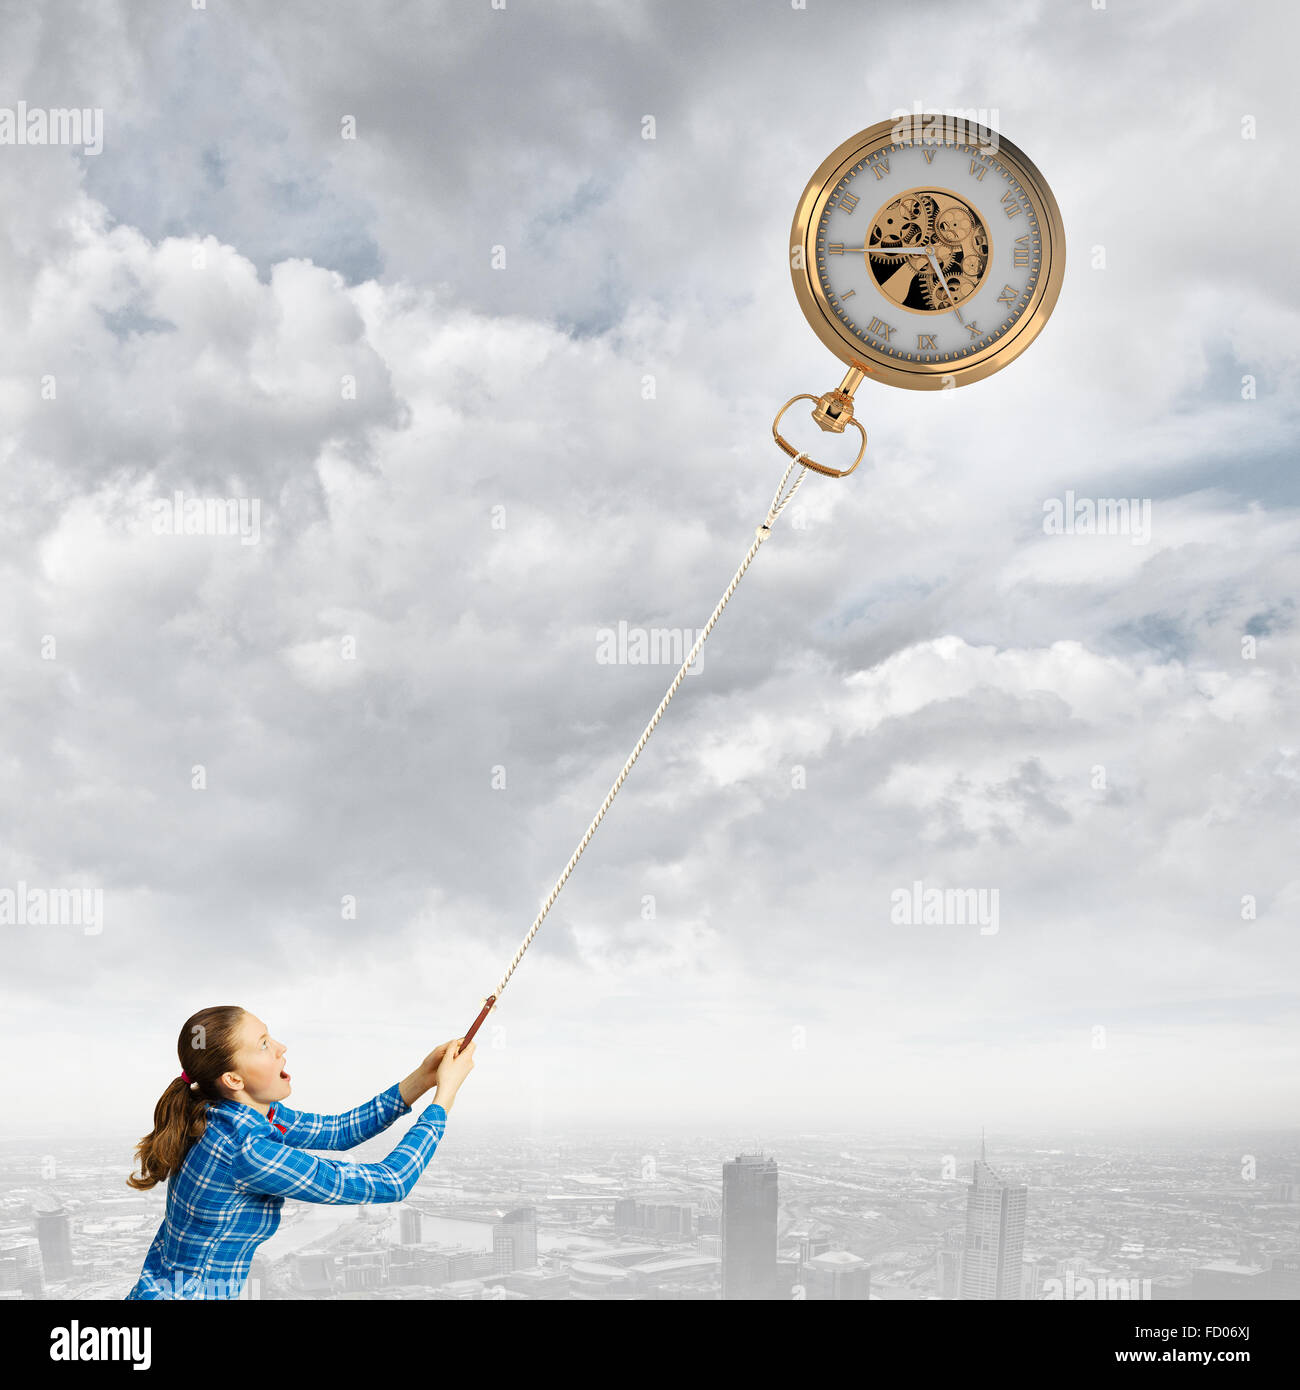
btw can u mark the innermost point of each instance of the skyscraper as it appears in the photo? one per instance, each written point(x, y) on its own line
point(749, 1206)
point(514, 1236)
point(410, 1225)
point(992, 1260)
point(54, 1232)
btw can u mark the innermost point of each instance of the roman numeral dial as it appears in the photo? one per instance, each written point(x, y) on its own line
point(927, 256)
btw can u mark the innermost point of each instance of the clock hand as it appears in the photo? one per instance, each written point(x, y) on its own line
point(926, 250)
point(938, 275)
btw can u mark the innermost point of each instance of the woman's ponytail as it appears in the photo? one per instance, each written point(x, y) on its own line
point(179, 1119)
point(206, 1049)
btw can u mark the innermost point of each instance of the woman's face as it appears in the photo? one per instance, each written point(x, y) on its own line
point(259, 1062)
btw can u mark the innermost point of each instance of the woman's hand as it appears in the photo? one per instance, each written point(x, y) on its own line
point(433, 1061)
point(425, 1076)
point(452, 1071)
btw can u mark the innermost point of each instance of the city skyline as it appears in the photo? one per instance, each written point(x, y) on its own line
point(580, 1219)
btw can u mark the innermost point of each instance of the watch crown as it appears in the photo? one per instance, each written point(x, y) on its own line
point(833, 411)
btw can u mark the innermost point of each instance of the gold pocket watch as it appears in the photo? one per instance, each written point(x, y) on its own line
point(926, 252)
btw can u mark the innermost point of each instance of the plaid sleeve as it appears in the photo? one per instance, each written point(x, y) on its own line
point(270, 1167)
point(304, 1130)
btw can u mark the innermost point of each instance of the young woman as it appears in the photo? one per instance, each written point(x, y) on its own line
point(231, 1151)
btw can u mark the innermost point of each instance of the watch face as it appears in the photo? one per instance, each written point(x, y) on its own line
point(927, 253)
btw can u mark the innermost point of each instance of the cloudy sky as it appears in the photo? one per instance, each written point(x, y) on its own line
point(423, 352)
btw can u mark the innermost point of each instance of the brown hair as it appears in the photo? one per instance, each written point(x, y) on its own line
point(206, 1048)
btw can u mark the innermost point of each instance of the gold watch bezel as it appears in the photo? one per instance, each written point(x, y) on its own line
point(922, 376)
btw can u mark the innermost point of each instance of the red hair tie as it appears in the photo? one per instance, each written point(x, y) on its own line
point(185, 1076)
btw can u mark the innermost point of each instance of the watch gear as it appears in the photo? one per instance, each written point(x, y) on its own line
point(933, 287)
point(960, 282)
point(949, 258)
point(951, 244)
point(953, 226)
point(907, 221)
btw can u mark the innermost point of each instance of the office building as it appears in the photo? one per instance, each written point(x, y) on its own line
point(948, 1262)
point(749, 1217)
point(21, 1269)
point(54, 1233)
point(836, 1275)
point(410, 1226)
point(993, 1255)
point(665, 1216)
point(514, 1240)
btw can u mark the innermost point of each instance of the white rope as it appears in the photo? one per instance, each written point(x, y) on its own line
point(779, 504)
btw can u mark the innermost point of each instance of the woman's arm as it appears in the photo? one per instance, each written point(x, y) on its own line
point(274, 1169)
point(304, 1130)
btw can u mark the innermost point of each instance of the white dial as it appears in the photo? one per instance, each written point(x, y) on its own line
point(928, 253)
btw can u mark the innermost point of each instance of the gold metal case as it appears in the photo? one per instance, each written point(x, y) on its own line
point(921, 376)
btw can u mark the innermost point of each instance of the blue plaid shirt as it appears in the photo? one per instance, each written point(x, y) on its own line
point(225, 1198)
